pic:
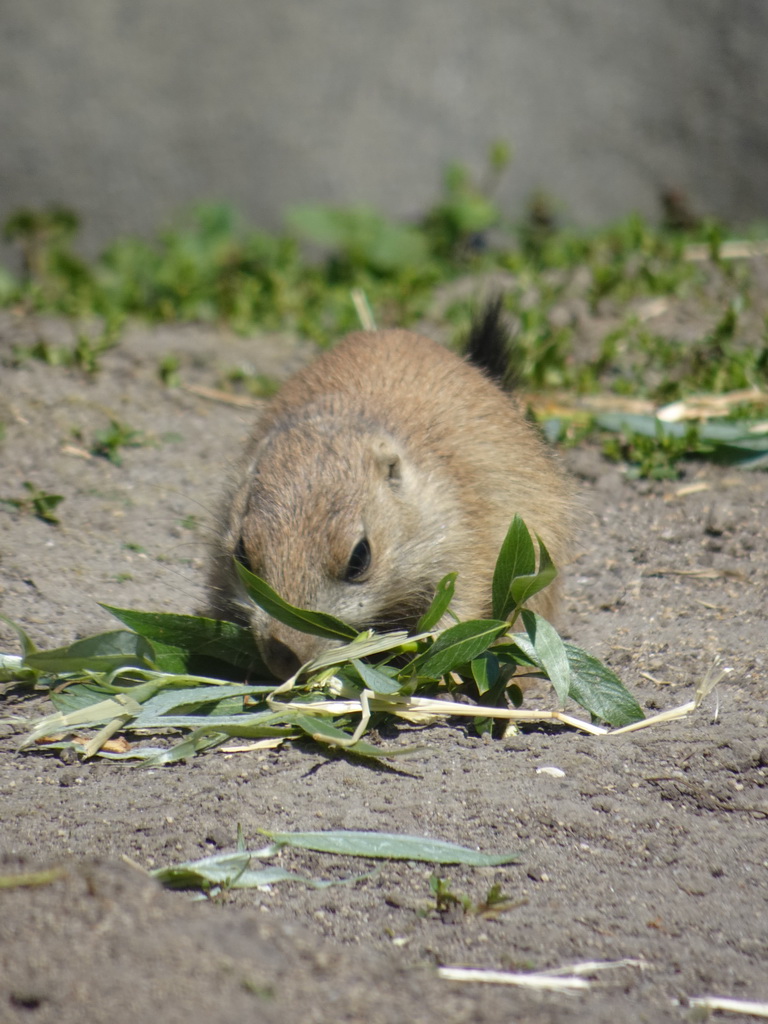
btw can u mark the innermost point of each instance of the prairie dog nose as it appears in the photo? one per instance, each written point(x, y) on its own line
point(280, 659)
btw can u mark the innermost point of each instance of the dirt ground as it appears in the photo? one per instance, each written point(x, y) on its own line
point(650, 847)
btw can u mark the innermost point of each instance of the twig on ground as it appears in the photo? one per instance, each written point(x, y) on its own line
point(730, 1006)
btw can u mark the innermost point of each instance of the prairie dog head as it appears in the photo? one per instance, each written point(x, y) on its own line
point(336, 517)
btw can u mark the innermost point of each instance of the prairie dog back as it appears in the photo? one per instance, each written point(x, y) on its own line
point(380, 467)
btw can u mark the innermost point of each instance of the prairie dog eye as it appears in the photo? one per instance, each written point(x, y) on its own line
point(241, 556)
point(359, 562)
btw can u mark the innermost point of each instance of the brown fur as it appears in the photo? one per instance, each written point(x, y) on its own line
point(387, 436)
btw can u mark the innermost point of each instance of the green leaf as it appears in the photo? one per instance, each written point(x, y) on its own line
point(174, 660)
point(650, 426)
point(102, 653)
point(238, 724)
point(121, 706)
point(551, 652)
point(233, 871)
point(598, 689)
point(376, 680)
point(77, 696)
point(593, 685)
point(221, 869)
point(27, 646)
point(197, 701)
point(493, 697)
point(363, 646)
point(134, 754)
point(524, 587)
point(485, 671)
point(458, 645)
point(315, 623)
point(517, 557)
point(228, 870)
point(440, 602)
point(758, 462)
point(193, 636)
point(390, 846)
point(512, 655)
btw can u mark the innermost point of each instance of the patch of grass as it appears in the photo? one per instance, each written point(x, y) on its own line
point(720, 363)
point(579, 300)
point(652, 457)
point(666, 369)
point(207, 266)
point(634, 260)
point(85, 354)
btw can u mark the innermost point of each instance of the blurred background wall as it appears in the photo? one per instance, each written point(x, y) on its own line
point(128, 110)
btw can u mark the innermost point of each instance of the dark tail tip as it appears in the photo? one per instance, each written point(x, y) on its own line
point(489, 343)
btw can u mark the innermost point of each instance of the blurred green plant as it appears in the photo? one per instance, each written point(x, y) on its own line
point(456, 225)
point(44, 238)
point(39, 503)
point(585, 305)
point(358, 239)
point(257, 385)
point(108, 442)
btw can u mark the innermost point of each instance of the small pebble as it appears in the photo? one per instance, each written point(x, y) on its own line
point(720, 519)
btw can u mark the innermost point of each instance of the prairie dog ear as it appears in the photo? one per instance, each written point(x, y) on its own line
point(388, 459)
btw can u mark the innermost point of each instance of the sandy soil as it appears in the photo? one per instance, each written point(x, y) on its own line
point(651, 847)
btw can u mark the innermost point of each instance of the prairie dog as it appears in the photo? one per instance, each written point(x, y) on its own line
point(386, 463)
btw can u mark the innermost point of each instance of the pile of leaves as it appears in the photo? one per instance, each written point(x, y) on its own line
point(168, 674)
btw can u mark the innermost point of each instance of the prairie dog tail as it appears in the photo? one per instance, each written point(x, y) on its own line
point(488, 345)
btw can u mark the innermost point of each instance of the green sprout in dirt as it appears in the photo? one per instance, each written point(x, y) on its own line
point(166, 673)
point(107, 443)
point(37, 503)
point(87, 351)
point(449, 904)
